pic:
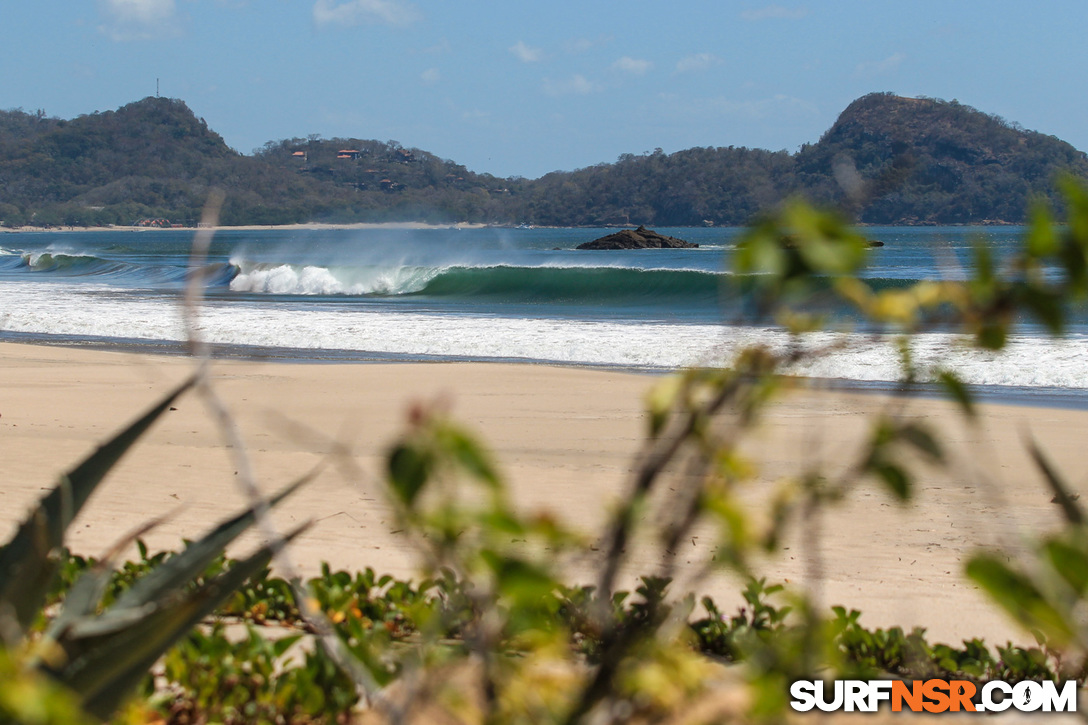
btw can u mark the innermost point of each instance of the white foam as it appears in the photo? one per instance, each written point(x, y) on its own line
point(99, 311)
point(287, 279)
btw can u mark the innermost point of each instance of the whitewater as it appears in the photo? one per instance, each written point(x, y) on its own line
point(487, 294)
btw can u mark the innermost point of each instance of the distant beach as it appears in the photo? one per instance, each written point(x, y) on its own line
point(312, 226)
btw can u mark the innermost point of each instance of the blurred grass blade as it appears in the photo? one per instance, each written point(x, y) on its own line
point(1071, 563)
point(28, 561)
point(959, 392)
point(105, 664)
point(1073, 512)
point(1019, 596)
point(182, 568)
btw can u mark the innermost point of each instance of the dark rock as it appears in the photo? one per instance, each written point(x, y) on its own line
point(641, 238)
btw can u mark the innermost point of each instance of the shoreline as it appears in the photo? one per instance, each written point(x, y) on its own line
point(564, 438)
point(308, 226)
point(320, 226)
point(1036, 397)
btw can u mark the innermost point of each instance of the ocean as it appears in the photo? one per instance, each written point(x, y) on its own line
point(492, 294)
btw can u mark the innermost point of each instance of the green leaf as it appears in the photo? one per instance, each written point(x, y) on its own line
point(409, 468)
point(520, 580)
point(992, 335)
point(896, 478)
point(470, 455)
point(28, 561)
point(1074, 514)
point(1071, 563)
point(1041, 240)
point(959, 392)
point(661, 399)
point(917, 436)
point(1019, 596)
point(281, 645)
point(1046, 305)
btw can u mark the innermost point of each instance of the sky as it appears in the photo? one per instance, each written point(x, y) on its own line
point(519, 88)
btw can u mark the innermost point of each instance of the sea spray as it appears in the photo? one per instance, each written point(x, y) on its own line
point(482, 294)
point(104, 312)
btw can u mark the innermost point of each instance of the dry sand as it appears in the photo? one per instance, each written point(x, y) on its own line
point(565, 438)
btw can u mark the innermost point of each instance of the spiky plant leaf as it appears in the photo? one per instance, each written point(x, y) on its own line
point(28, 562)
point(179, 570)
point(83, 598)
point(104, 664)
point(86, 593)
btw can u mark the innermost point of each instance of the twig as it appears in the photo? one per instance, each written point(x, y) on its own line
point(367, 686)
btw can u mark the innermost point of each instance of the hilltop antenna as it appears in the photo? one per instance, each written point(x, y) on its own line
point(156, 88)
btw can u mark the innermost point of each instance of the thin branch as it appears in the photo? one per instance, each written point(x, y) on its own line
point(231, 434)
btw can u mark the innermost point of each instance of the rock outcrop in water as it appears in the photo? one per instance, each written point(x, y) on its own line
point(641, 238)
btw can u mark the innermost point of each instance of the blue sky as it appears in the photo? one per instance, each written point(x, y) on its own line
point(520, 88)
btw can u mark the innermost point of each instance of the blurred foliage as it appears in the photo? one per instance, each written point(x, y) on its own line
point(278, 673)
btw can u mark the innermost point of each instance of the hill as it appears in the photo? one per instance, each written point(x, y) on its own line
point(886, 160)
point(921, 160)
point(145, 158)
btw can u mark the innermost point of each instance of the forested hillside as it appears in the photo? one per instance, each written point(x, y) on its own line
point(925, 160)
point(886, 160)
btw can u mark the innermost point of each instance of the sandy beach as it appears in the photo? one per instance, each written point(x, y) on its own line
point(565, 438)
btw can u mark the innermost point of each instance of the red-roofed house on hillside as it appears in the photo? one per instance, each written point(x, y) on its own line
point(348, 154)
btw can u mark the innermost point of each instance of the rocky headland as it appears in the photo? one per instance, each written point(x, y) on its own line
point(641, 238)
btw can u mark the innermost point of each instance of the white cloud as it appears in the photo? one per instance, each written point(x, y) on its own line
point(871, 69)
point(353, 12)
point(635, 66)
point(137, 19)
point(526, 53)
point(576, 85)
point(700, 61)
point(430, 76)
point(774, 12)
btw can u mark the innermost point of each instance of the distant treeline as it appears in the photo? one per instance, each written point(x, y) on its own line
point(886, 160)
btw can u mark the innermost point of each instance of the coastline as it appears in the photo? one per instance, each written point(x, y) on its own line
point(565, 438)
point(317, 226)
point(1032, 397)
point(309, 226)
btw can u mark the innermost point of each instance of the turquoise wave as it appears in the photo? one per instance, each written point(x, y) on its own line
point(582, 284)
